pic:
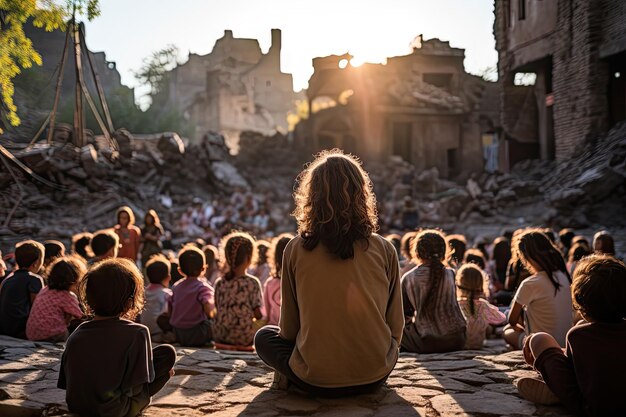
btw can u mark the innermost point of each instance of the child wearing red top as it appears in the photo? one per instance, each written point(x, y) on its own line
point(129, 234)
point(56, 304)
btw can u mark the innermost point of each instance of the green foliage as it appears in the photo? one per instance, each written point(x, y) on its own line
point(16, 50)
point(154, 70)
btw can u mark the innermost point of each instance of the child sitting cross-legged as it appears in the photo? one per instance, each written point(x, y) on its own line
point(56, 304)
point(192, 299)
point(109, 367)
point(158, 296)
point(588, 376)
point(238, 296)
point(271, 289)
point(478, 313)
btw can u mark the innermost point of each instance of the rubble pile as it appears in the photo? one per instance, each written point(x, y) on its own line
point(90, 183)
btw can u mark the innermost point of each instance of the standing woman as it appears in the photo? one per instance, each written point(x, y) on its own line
point(341, 316)
point(151, 234)
point(129, 234)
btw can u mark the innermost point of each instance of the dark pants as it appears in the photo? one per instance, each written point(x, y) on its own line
point(198, 335)
point(558, 374)
point(163, 360)
point(413, 342)
point(276, 352)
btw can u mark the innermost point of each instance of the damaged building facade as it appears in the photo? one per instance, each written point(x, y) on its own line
point(562, 74)
point(233, 89)
point(422, 107)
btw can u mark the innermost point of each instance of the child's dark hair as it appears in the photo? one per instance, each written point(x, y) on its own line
point(533, 244)
point(458, 246)
point(211, 254)
point(565, 237)
point(475, 256)
point(127, 210)
point(52, 249)
point(236, 247)
point(276, 253)
point(577, 252)
point(113, 287)
point(65, 271)
point(470, 283)
point(606, 241)
point(28, 252)
point(430, 245)
point(599, 289)
point(80, 244)
point(261, 247)
point(191, 260)
point(158, 268)
point(501, 252)
point(395, 240)
point(406, 245)
point(103, 241)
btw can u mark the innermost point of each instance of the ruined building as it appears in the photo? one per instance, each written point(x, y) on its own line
point(422, 107)
point(562, 74)
point(234, 88)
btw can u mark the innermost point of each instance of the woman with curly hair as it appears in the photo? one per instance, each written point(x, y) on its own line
point(434, 321)
point(341, 313)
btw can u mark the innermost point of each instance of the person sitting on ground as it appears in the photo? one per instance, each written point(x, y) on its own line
point(341, 313)
point(565, 240)
point(238, 296)
point(56, 305)
point(18, 290)
point(151, 235)
point(500, 261)
point(458, 246)
point(158, 296)
point(544, 297)
point(104, 245)
point(478, 313)
point(476, 257)
point(406, 264)
point(213, 272)
point(261, 268)
point(576, 253)
point(192, 301)
point(603, 243)
point(395, 240)
point(53, 250)
point(129, 234)
point(271, 290)
point(434, 321)
point(587, 377)
point(80, 245)
point(516, 273)
point(109, 367)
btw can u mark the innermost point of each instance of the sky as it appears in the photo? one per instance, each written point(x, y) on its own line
point(130, 30)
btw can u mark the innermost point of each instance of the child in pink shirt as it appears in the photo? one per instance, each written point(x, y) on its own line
point(478, 313)
point(271, 289)
point(56, 305)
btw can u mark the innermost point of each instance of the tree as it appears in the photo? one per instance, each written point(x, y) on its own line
point(154, 70)
point(16, 50)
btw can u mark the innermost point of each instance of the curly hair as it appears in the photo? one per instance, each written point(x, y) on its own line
point(430, 246)
point(65, 271)
point(113, 287)
point(335, 203)
point(235, 248)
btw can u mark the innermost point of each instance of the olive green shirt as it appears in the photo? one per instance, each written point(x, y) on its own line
point(344, 316)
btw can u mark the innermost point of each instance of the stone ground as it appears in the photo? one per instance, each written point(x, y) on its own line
point(221, 383)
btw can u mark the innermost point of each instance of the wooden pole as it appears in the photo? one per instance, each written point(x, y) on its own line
point(57, 94)
point(79, 113)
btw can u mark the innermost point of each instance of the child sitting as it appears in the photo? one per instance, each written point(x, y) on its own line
point(57, 305)
point(109, 367)
point(544, 296)
point(238, 297)
point(53, 249)
point(261, 269)
point(478, 313)
point(587, 378)
point(158, 295)
point(104, 245)
point(271, 290)
point(434, 322)
point(192, 300)
point(18, 290)
point(213, 272)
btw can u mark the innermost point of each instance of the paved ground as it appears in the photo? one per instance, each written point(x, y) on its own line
point(208, 382)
